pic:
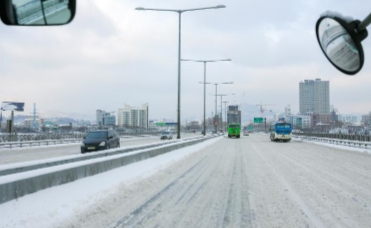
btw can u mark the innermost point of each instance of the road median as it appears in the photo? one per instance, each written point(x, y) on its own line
point(21, 184)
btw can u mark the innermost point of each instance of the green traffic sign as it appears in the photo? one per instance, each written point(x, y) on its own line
point(258, 120)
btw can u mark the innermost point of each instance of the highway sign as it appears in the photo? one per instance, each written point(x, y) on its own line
point(258, 120)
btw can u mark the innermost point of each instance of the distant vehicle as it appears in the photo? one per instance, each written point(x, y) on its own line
point(213, 132)
point(281, 131)
point(234, 130)
point(166, 135)
point(245, 133)
point(100, 140)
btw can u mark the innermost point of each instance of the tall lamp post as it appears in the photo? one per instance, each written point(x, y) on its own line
point(216, 98)
point(226, 117)
point(221, 107)
point(204, 62)
point(179, 44)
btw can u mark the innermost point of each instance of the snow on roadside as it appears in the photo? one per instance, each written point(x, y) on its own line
point(51, 206)
point(38, 172)
point(361, 150)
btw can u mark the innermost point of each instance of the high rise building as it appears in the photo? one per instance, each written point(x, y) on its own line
point(287, 112)
point(314, 96)
point(133, 116)
point(105, 118)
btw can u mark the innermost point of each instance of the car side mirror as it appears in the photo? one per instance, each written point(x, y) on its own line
point(340, 40)
point(37, 12)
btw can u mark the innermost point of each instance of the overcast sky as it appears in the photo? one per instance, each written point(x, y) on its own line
point(111, 55)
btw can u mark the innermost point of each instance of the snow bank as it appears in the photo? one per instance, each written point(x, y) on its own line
point(54, 205)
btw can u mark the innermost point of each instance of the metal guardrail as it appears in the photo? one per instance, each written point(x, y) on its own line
point(19, 137)
point(21, 144)
point(363, 138)
point(49, 142)
point(342, 142)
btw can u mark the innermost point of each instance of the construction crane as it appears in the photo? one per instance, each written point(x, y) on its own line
point(262, 108)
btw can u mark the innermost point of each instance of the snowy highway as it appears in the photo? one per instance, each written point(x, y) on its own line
point(247, 182)
point(251, 182)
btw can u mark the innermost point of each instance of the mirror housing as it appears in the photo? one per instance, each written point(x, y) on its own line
point(37, 12)
point(340, 41)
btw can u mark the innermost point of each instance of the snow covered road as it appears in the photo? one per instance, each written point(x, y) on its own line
point(250, 182)
point(247, 182)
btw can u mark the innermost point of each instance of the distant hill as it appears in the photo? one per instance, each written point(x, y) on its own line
point(249, 111)
point(62, 115)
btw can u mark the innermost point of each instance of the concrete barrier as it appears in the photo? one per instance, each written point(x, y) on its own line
point(18, 168)
point(37, 180)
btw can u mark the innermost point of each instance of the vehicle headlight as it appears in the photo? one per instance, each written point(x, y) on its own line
point(102, 143)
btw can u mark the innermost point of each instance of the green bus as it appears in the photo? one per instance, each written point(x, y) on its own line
point(234, 129)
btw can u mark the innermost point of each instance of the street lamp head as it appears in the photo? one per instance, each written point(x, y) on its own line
point(140, 8)
point(227, 83)
point(220, 6)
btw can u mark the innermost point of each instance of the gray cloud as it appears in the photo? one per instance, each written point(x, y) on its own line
point(112, 54)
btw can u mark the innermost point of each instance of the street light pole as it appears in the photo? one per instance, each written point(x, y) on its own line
point(216, 108)
point(226, 117)
point(204, 98)
point(216, 98)
point(179, 47)
point(179, 65)
point(221, 109)
point(205, 62)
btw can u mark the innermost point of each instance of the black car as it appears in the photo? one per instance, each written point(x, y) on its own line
point(100, 140)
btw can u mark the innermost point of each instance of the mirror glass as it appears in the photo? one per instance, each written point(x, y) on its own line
point(338, 45)
point(39, 12)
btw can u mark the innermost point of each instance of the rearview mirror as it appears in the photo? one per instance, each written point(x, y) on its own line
point(37, 12)
point(340, 41)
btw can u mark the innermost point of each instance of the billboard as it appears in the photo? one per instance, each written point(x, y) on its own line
point(233, 108)
point(12, 106)
point(234, 117)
